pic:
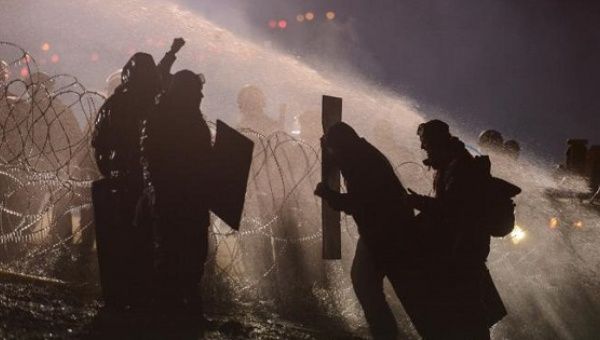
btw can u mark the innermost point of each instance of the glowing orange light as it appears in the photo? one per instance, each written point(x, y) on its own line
point(309, 16)
point(578, 224)
point(553, 223)
point(55, 58)
point(94, 57)
point(272, 23)
point(330, 15)
point(282, 24)
point(24, 72)
point(300, 18)
point(45, 47)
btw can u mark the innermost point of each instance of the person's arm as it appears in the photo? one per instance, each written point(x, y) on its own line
point(345, 202)
point(366, 193)
point(166, 63)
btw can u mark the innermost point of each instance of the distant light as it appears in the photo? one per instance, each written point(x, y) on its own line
point(55, 58)
point(309, 16)
point(553, 223)
point(578, 224)
point(330, 15)
point(296, 127)
point(300, 18)
point(517, 235)
point(272, 23)
point(95, 57)
point(24, 72)
point(45, 47)
point(282, 24)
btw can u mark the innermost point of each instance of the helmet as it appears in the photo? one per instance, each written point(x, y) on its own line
point(490, 139)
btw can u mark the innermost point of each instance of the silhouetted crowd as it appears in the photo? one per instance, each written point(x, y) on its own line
point(153, 148)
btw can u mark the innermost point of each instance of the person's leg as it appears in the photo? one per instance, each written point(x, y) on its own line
point(367, 281)
point(413, 291)
point(194, 251)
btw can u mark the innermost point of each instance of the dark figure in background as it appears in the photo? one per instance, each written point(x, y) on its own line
point(463, 302)
point(490, 141)
point(375, 199)
point(512, 149)
point(252, 102)
point(124, 248)
point(178, 149)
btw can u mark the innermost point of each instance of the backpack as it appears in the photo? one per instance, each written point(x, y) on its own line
point(498, 206)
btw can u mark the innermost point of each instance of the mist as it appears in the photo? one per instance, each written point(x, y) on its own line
point(548, 278)
point(526, 68)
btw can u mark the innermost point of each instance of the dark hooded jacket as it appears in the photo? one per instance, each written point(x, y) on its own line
point(457, 242)
point(117, 130)
point(374, 196)
point(455, 230)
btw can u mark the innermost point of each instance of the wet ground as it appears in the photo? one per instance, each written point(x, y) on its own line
point(50, 311)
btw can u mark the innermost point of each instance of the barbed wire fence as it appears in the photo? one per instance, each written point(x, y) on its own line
point(47, 225)
point(46, 219)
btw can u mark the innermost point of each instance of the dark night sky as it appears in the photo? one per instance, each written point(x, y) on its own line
point(529, 68)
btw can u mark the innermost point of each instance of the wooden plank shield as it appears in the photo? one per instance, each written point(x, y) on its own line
point(330, 175)
point(232, 157)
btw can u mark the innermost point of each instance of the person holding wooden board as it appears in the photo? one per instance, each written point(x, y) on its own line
point(374, 199)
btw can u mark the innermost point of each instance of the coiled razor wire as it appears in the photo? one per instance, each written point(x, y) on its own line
point(47, 168)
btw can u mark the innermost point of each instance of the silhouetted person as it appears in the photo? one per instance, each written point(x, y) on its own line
point(178, 149)
point(377, 201)
point(463, 301)
point(125, 248)
point(252, 102)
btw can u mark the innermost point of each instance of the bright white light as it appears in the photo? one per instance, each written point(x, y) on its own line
point(517, 235)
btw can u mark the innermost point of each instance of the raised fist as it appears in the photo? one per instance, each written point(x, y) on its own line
point(177, 44)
